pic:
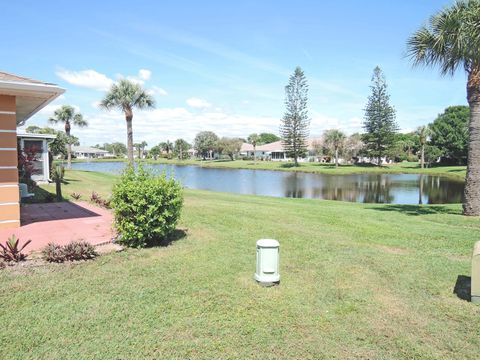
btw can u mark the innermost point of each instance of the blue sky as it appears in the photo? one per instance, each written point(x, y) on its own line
point(222, 66)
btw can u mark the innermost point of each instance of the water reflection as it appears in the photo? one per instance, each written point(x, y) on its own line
point(373, 188)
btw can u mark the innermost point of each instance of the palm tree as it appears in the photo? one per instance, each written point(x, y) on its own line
point(67, 115)
point(126, 96)
point(254, 139)
point(140, 147)
point(167, 147)
point(335, 140)
point(423, 132)
point(452, 40)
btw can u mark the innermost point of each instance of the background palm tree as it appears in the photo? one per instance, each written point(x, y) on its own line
point(167, 147)
point(334, 139)
point(423, 132)
point(254, 139)
point(67, 115)
point(451, 40)
point(126, 96)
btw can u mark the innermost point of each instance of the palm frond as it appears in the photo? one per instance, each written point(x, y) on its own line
point(126, 95)
point(450, 39)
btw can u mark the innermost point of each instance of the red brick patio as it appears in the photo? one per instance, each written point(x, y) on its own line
point(61, 223)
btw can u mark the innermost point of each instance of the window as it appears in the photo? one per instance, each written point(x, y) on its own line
point(35, 147)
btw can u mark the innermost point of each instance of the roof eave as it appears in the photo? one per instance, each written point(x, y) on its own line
point(49, 91)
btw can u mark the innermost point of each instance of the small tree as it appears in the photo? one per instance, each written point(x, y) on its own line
point(229, 146)
point(254, 139)
point(379, 123)
point(117, 149)
point(58, 175)
point(267, 138)
point(423, 132)
point(294, 127)
point(354, 146)
point(155, 152)
point(26, 164)
point(449, 132)
point(68, 116)
point(334, 140)
point(167, 147)
point(205, 142)
point(181, 148)
point(432, 154)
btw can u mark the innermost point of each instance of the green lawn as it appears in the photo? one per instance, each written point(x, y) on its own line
point(358, 281)
point(400, 168)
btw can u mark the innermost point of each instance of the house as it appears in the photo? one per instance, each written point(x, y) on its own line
point(40, 142)
point(274, 151)
point(20, 98)
point(86, 152)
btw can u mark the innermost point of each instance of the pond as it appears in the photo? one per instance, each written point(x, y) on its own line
point(364, 188)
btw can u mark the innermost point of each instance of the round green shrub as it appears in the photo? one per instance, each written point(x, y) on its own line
point(146, 207)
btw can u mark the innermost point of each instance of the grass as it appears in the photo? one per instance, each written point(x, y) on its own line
point(400, 168)
point(357, 281)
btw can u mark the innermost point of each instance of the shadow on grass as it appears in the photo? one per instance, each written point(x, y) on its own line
point(177, 234)
point(41, 196)
point(415, 210)
point(288, 165)
point(463, 287)
point(456, 171)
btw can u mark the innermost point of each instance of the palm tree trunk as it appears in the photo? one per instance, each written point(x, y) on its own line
point(129, 118)
point(336, 157)
point(471, 205)
point(69, 145)
point(69, 156)
point(422, 160)
point(255, 154)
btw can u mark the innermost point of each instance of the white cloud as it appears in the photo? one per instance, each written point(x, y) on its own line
point(90, 79)
point(144, 74)
point(156, 90)
point(198, 103)
point(95, 104)
point(170, 124)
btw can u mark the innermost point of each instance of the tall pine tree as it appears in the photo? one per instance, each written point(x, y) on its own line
point(379, 121)
point(295, 123)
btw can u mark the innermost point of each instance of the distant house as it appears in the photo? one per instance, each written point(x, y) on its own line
point(274, 151)
point(86, 152)
point(39, 142)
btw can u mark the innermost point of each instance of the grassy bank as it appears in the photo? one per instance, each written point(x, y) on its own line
point(401, 168)
point(358, 281)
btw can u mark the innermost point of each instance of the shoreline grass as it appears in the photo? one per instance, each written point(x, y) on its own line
point(457, 172)
point(357, 281)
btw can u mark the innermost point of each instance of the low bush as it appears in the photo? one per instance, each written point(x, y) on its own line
point(79, 250)
point(53, 253)
point(73, 251)
point(75, 196)
point(97, 199)
point(11, 251)
point(146, 207)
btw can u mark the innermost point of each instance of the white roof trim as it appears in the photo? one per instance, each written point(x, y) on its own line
point(49, 90)
point(36, 136)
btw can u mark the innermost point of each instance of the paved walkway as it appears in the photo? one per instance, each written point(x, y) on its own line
point(61, 223)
